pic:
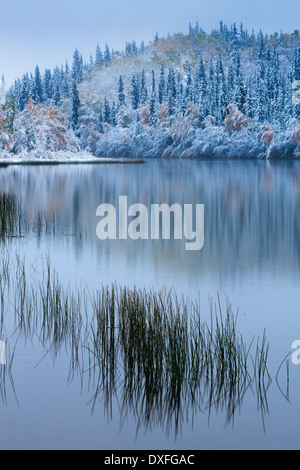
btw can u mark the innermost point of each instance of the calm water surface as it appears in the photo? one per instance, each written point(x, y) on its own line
point(251, 256)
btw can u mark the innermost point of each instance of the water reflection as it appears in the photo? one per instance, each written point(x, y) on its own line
point(251, 227)
point(147, 350)
point(252, 214)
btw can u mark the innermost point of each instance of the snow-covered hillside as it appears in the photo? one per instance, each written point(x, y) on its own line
point(227, 94)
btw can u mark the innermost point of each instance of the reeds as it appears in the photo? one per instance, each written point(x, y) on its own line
point(149, 349)
point(12, 220)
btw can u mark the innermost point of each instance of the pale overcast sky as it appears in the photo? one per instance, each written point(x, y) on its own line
point(46, 32)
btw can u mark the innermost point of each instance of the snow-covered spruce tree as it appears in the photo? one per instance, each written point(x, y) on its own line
point(75, 101)
point(143, 89)
point(106, 111)
point(77, 67)
point(47, 84)
point(152, 103)
point(161, 85)
point(100, 122)
point(25, 93)
point(91, 64)
point(220, 92)
point(135, 92)
point(107, 55)
point(65, 86)
point(99, 57)
point(113, 113)
point(201, 88)
point(121, 95)
point(171, 92)
point(38, 86)
point(189, 86)
point(56, 95)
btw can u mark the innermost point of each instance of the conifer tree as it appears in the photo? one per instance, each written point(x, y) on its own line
point(25, 92)
point(152, 105)
point(10, 111)
point(189, 85)
point(91, 64)
point(143, 89)
point(77, 68)
point(200, 87)
point(48, 84)
point(56, 95)
point(113, 113)
point(162, 85)
point(107, 55)
point(75, 106)
point(121, 95)
point(240, 94)
point(106, 111)
point(135, 92)
point(37, 86)
point(99, 57)
point(100, 122)
point(261, 53)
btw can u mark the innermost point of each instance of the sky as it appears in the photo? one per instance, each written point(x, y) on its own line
point(46, 32)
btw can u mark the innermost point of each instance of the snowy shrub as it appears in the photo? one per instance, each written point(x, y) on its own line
point(145, 115)
point(180, 128)
point(268, 135)
point(192, 113)
point(125, 117)
point(89, 136)
point(88, 129)
point(295, 138)
point(209, 121)
point(42, 128)
point(236, 120)
point(163, 114)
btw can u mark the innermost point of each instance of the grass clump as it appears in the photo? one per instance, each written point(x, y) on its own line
point(151, 351)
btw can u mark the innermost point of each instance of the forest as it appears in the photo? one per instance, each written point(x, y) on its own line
point(228, 93)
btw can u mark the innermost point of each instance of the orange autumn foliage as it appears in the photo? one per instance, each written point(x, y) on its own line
point(295, 138)
point(41, 127)
point(268, 135)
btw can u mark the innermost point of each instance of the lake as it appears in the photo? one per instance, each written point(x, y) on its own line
point(251, 258)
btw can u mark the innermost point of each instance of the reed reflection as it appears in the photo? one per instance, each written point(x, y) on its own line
point(252, 212)
point(146, 350)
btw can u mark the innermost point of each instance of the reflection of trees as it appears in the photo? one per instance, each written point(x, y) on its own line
point(160, 365)
point(144, 350)
point(251, 208)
